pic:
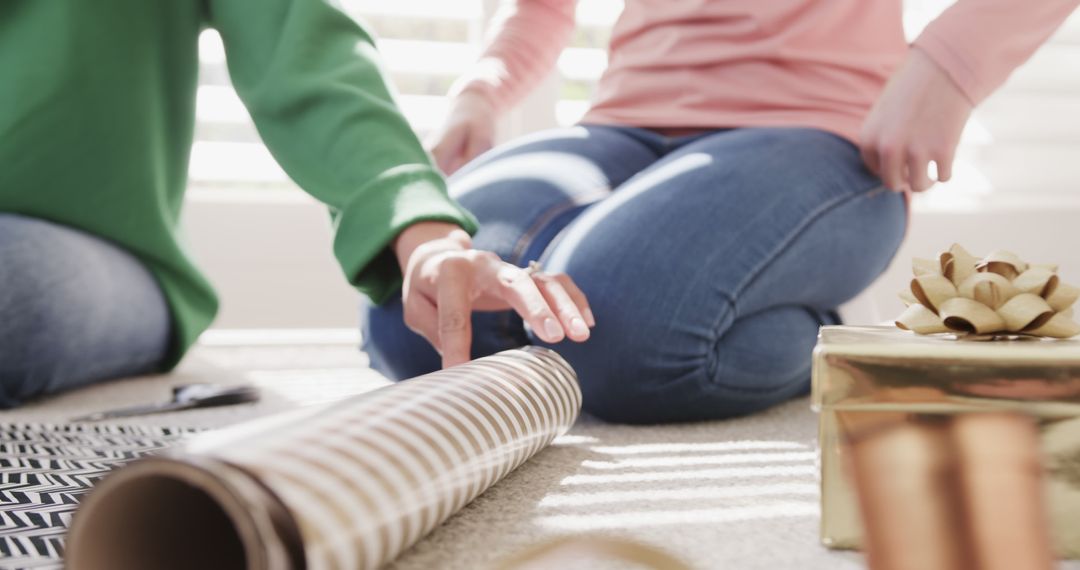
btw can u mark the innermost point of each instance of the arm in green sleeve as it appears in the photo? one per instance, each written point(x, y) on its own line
point(309, 75)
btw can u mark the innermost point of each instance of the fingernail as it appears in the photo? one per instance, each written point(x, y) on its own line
point(589, 318)
point(552, 329)
point(578, 328)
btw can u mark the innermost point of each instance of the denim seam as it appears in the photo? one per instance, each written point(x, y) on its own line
point(542, 221)
point(46, 381)
point(814, 216)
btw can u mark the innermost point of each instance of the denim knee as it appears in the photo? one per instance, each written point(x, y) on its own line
point(669, 372)
point(627, 374)
point(641, 390)
point(32, 301)
point(767, 353)
point(74, 309)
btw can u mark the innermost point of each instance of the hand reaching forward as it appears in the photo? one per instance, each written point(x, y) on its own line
point(917, 119)
point(469, 131)
point(446, 280)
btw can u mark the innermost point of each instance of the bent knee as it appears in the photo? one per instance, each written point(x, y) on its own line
point(661, 377)
point(766, 352)
point(30, 337)
point(35, 307)
point(73, 310)
point(686, 396)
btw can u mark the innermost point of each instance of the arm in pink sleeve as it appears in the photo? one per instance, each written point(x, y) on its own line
point(980, 42)
point(524, 41)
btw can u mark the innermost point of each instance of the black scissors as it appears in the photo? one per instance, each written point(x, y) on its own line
point(184, 397)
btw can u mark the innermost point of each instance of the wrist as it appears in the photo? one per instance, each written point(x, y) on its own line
point(481, 84)
point(936, 79)
point(476, 102)
point(420, 233)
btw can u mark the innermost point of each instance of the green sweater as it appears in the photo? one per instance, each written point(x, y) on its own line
point(97, 102)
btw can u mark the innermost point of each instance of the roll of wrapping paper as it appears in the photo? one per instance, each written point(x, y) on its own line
point(343, 486)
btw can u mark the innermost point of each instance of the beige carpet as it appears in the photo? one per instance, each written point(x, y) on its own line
point(738, 494)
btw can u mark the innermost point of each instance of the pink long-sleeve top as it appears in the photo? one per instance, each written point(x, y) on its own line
point(734, 63)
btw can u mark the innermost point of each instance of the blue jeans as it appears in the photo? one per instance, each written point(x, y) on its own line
point(709, 261)
point(74, 309)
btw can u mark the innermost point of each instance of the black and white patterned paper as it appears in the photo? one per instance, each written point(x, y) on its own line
point(46, 468)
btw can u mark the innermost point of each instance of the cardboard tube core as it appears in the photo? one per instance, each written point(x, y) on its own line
point(160, 520)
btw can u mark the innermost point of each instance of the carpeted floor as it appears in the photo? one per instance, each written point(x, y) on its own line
point(736, 494)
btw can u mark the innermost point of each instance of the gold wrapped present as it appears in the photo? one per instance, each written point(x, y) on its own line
point(868, 380)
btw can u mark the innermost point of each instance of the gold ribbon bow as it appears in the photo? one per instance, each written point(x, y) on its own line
point(998, 294)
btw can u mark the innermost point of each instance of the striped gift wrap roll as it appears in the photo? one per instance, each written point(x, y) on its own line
point(344, 486)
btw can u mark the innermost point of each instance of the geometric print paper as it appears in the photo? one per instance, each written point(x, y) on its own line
point(46, 468)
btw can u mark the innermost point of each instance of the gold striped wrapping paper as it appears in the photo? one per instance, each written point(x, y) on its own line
point(349, 485)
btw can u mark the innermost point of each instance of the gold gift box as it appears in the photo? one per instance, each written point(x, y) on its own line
point(883, 371)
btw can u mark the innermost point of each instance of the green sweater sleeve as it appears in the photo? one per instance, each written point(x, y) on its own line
point(310, 77)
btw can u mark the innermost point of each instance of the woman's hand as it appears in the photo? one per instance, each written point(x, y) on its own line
point(446, 280)
point(469, 130)
point(917, 119)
